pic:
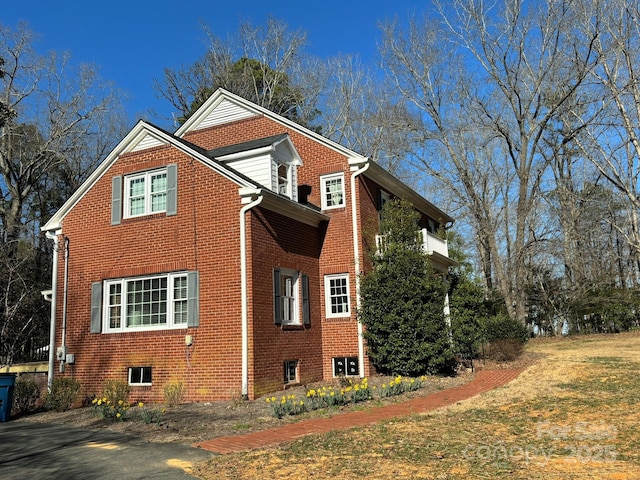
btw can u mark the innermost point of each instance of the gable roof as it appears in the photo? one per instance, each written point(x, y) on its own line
point(262, 144)
point(145, 135)
point(223, 106)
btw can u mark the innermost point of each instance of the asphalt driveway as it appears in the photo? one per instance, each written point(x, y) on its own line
point(46, 451)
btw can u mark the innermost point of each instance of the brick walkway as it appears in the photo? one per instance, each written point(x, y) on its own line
point(484, 380)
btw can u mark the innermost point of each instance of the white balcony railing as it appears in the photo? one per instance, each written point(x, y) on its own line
point(430, 243)
point(433, 244)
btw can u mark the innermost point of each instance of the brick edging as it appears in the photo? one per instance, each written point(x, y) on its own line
point(484, 381)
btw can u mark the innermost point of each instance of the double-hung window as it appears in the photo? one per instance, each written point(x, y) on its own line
point(291, 297)
point(146, 193)
point(336, 289)
point(332, 188)
point(144, 303)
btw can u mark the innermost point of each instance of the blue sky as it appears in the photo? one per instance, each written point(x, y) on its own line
point(133, 41)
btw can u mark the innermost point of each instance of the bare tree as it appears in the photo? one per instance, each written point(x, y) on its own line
point(261, 63)
point(60, 124)
point(362, 112)
point(612, 141)
point(499, 72)
point(57, 113)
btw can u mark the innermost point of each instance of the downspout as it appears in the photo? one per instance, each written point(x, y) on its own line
point(64, 301)
point(243, 292)
point(54, 296)
point(356, 252)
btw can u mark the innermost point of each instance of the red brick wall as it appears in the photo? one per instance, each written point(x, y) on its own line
point(203, 236)
point(277, 242)
point(339, 336)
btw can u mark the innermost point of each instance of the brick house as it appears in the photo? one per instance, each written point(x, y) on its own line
point(224, 256)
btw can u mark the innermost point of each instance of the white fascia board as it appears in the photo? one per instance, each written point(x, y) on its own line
point(55, 221)
point(273, 148)
point(209, 105)
point(220, 94)
point(402, 190)
point(139, 131)
point(288, 145)
point(282, 205)
point(246, 154)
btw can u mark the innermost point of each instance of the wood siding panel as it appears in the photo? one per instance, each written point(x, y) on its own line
point(148, 141)
point(224, 113)
point(256, 168)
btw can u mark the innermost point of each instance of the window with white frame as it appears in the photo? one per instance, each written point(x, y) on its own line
point(332, 187)
point(336, 288)
point(288, 295)
point(284, 180)
point(291, 297)
point(139, 376)
point(384, 198)
point(145, 193)
point(144, 303)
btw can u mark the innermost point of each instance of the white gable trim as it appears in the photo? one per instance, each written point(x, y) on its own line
point(147, 141)
point(195, 121)
point(225, 112)
point(142, 131)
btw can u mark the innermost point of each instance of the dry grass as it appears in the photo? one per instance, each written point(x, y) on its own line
point(572, 415)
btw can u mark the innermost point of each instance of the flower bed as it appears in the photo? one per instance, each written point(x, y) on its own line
point(351, 393)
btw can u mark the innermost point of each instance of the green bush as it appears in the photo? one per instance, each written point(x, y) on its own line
point(500, 327)
point(25, 395)
point(64, 391)
point(402, 305)
point(505, 338)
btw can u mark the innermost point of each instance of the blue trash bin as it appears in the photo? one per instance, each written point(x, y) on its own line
point(7, 383)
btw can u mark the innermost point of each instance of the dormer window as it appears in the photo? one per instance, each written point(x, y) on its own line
point(270, 162)
point(284, 173)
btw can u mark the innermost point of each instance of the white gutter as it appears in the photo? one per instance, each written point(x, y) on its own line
point(243, 283)
point(356, 252)
point(54, 295)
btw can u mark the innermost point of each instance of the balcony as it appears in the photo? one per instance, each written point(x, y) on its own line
point(432, 245)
